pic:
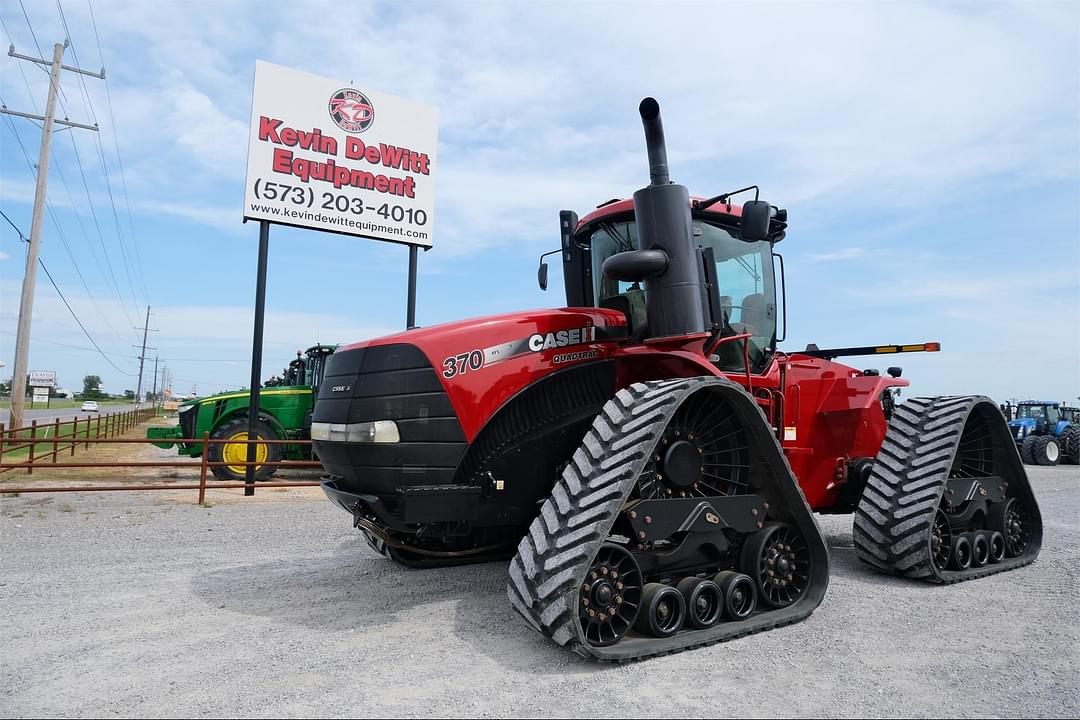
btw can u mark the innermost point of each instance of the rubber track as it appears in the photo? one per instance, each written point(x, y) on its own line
point(893, 519)
point(556, 553)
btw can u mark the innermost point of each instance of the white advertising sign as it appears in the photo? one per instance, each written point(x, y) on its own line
point(42, 378)
point(328, 155)
point(41, 395)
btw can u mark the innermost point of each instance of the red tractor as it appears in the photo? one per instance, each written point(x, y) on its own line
point(647, 455)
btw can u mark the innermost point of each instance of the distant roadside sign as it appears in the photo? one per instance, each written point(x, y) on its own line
point(41, 395)
point(328, 155)
point(42, 378)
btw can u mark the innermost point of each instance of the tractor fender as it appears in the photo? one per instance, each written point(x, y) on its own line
point(1061, 427)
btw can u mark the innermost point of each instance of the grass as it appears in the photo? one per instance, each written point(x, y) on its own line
point(70, 431)
point(65, 403)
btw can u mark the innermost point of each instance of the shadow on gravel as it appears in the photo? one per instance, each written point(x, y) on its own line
point(354, 589)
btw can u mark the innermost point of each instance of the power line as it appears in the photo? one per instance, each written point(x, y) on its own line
point(77, 320)
point(119, 159)
point(104, 164)
point(59, 230)
point(31, 26)
point(21, 236)
point(73, 347)
point(82, 173)
point(68, 305)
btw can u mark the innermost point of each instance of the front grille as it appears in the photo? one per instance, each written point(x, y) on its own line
point(187, 423)
point(388, 382)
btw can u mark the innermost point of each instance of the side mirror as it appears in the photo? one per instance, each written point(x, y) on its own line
point(755, 220)
point(541, 275)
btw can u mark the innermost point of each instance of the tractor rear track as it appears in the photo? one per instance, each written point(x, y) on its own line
point(893, 519)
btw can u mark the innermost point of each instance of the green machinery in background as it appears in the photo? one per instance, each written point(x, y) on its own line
point(285, 404)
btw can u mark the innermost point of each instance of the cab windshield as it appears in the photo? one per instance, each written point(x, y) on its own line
point(1038, 412)
point(745, 273)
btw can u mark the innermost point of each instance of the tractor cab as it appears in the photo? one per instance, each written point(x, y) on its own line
point(745, 272)
point(315, 364)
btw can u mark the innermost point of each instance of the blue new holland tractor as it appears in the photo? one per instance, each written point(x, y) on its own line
point(1046, 433)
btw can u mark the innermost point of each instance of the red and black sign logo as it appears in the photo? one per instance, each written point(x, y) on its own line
point(351, 110)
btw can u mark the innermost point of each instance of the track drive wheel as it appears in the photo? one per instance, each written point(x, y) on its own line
point(778, 561)
point(236, 431)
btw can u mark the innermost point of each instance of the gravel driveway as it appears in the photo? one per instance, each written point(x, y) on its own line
point(133, 604)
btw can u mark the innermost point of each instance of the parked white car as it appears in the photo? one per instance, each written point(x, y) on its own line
point(89, 406)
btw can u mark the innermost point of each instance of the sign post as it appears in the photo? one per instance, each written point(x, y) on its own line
point(326, 155)
point(41, 384)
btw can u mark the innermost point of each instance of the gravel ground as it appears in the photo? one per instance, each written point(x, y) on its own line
point(129, 605)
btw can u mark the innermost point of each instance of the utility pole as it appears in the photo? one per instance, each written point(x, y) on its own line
point(26, 300)
point(155, 400)
point(142, 356)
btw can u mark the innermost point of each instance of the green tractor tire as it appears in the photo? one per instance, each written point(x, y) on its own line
point(236, 452)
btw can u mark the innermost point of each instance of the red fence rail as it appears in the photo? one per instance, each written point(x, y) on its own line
point(120, 425)
point(52, 436)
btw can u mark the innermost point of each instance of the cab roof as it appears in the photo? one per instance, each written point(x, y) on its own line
point(618, 207)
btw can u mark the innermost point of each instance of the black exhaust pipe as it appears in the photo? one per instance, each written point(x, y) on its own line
point(654, 141)
point(673, 297)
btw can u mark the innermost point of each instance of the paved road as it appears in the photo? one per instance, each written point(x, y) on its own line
point(136, 605)
point(47, 415)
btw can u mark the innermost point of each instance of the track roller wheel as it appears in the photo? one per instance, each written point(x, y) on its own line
point(940, 540)
point(997, 546)
point(961, 553)
point(739, 592)
point(980, 549)
point(778, 561)
point(663, 611)
point(704, 601)
point(1012, 520)
point(610, 596)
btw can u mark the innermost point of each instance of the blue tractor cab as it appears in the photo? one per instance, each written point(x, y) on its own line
point(1046, 432)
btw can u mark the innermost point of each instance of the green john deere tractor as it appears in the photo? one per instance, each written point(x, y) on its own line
point(285, 404)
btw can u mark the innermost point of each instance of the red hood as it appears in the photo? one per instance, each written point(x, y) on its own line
point(483, 362)
point(493, 327)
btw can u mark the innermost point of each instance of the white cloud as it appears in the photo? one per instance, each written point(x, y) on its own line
point(4, 256)
point(893, 103)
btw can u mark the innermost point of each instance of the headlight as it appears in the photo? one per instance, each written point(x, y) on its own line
point(378, 431)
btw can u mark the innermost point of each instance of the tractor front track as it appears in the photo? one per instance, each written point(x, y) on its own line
point(625, 562)
point(948, 499)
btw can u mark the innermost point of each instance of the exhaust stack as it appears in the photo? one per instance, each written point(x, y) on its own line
point(673, 291)
point(654, 141)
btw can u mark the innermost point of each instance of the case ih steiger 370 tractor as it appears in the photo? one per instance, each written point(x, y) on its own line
point(649, 453)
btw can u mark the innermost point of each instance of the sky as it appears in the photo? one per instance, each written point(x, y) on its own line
point(928, 155)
